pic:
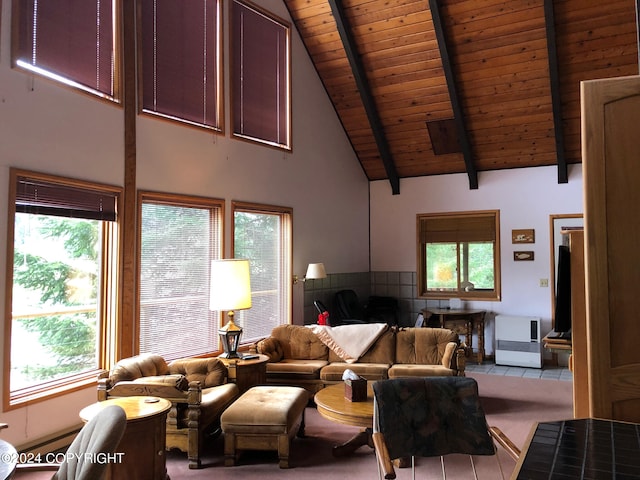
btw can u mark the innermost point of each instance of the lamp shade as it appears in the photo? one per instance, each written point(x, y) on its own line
point(230, 285)
point(315, 271)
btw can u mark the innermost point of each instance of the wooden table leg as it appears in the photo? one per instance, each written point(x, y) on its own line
point(362, 438)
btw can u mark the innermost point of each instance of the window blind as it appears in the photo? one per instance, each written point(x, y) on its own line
point(476, 228)
point(178, 242)
point(260, 76)
point(41, 197)
point(73, 39)
point(264, 238)
point(180, 60)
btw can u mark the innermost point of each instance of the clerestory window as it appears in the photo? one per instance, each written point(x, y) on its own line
point(180, 51)
point(70, 41)
point(260, 76)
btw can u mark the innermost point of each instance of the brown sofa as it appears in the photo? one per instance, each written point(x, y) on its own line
point(298, 356)
point(197, 388)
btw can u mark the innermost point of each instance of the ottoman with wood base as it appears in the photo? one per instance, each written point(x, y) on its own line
point(264, 418)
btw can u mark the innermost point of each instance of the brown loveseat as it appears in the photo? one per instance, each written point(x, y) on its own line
point(299, 357)
point(197, 388)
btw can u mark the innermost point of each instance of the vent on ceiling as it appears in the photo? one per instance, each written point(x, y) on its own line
point(444, 136)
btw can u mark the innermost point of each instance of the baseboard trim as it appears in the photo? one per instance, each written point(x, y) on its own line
point(51, 443)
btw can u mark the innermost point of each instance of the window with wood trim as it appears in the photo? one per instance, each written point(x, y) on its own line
point(62, 284)
point(459, 255)
point(180, 49)
point(260, 79)
point(262, 234)
point(70, 41)
point(179, 236)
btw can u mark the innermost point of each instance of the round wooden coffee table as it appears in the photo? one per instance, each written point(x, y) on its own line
point(332, 405)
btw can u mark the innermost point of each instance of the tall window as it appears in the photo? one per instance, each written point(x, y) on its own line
point(262, 234)
point(179, 236)
point(71, 41)
point(260, 76)
point(180, 50)
point(459, 255)
point(62, 290)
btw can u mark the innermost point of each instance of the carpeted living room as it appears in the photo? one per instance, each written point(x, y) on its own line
point(512, 403)
point(437, 156)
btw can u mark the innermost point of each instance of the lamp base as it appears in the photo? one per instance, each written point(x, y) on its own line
point(237, 355)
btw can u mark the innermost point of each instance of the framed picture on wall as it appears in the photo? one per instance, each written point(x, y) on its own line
point(523, 256)
point(527, 235)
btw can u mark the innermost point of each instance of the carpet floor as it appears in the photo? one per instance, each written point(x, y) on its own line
point(513, 404)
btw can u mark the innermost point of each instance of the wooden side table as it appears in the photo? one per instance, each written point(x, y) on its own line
point(144, 441)
point(461, 322)
point(247, 373)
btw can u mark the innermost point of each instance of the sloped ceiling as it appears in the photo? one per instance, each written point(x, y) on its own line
point(428, 87)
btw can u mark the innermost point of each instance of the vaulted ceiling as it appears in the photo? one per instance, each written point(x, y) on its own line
point(428, 87)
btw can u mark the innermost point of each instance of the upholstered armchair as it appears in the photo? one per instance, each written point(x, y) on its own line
point(197, 388)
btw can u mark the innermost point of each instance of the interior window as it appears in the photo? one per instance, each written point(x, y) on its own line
point(179, 236)
point(70, 41)
point(260, 76)
point(262, 234)
point(459, 255)
point(63, 287)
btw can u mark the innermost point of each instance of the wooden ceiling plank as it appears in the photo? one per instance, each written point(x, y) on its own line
point(465, 145)
point(367, 98)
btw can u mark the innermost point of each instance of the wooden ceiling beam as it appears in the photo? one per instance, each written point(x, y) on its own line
point(362, 83)
point(463, 137)
point(554, 78)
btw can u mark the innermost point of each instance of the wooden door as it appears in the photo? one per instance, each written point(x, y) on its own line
point(611, 173)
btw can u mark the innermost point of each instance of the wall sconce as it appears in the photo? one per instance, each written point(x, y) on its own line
point(315, 271)
point(230, 291)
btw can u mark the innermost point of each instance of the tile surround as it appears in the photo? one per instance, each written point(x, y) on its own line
point(399, 285)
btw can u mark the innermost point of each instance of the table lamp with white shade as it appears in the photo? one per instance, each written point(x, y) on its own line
point(230, 291)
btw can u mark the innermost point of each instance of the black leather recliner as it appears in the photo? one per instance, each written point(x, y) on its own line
point(334, 321)
point(378, 309)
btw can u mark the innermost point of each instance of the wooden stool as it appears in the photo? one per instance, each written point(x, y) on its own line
point(264, 418)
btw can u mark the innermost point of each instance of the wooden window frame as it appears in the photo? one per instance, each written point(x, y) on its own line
point(211, 88)
point(286, 282)
point(109, 295)
point(217, 210)
point(282, 139)
point(459, 292)
point(20, 8)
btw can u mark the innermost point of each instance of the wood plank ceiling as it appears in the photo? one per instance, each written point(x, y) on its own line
point(428, 87)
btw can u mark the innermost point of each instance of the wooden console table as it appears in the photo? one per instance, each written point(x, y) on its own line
point(462, 322)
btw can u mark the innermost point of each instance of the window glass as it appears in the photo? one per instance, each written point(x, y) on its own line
point(63, 286)
point(260, 76)
point(55, 298)
point(263, 236)
point(180, 51)
point(178, 239)
point(71, 41)
point(458, 255)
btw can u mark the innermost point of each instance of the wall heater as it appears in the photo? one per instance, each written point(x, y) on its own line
point(518, 341)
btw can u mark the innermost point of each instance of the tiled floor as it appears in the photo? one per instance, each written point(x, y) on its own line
point(546, 372)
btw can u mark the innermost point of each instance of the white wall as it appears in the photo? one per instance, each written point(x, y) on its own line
point(48, 128)
point(525, 198)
